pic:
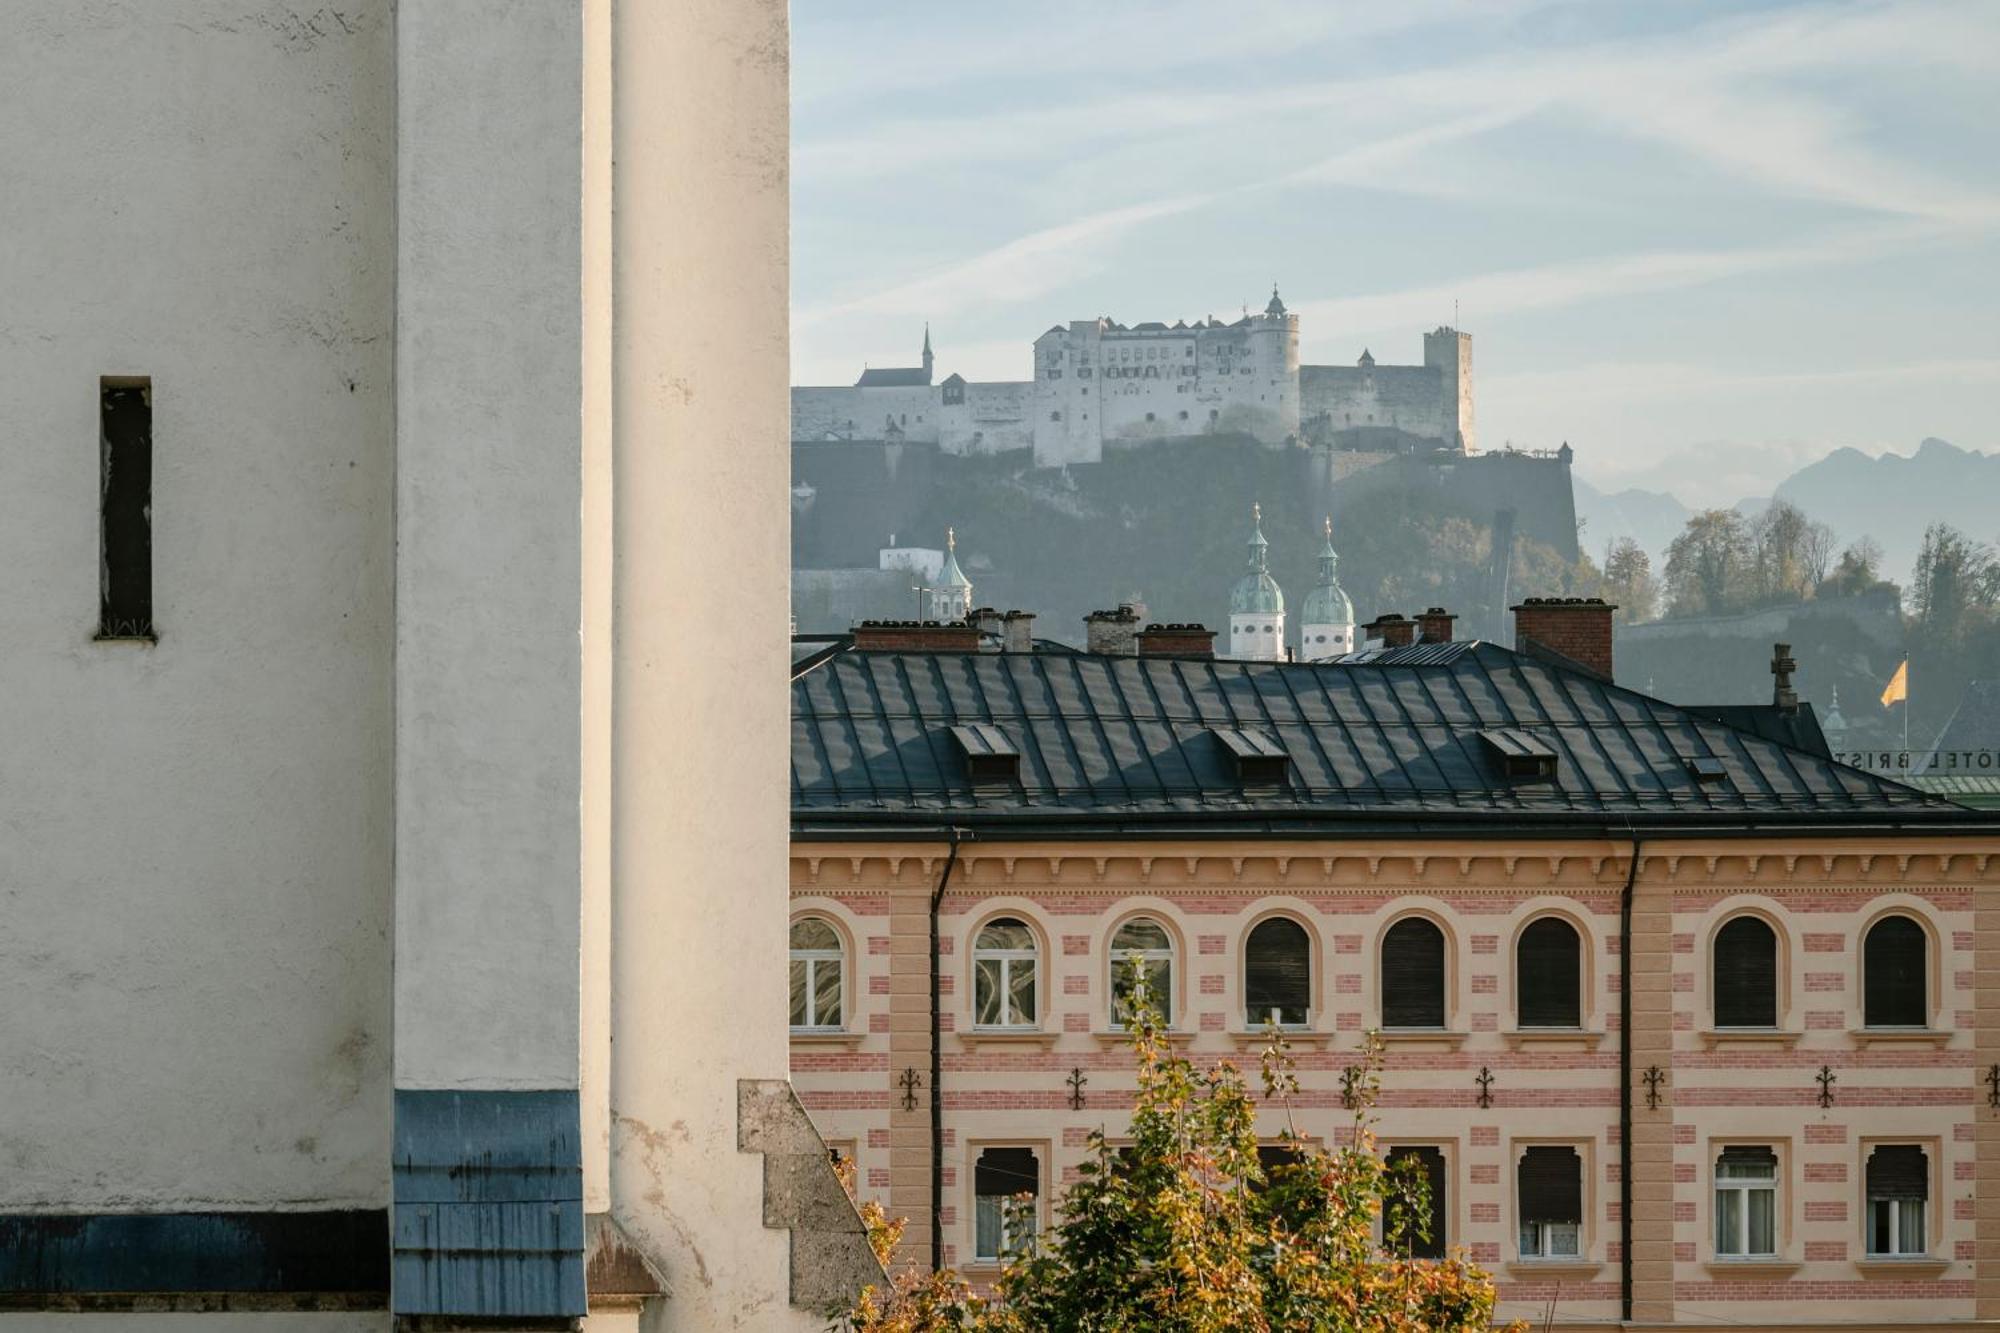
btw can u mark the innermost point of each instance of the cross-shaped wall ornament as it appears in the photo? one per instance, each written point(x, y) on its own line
point(1076, 1080)
point(1654, 1077)
point(909, 1083)
point(1485, 1082)
point(1827, 1078)
point(1993, 1085)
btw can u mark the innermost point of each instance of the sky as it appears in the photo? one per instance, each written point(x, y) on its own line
point(1702, 242)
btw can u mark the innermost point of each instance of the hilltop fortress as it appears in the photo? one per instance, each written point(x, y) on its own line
point(1099, 385)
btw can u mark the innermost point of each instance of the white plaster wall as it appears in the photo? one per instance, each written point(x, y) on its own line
point(488, 579)
point(195, 837)
point(700, 721)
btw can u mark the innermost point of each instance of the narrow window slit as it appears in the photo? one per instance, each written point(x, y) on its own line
point(125, 492)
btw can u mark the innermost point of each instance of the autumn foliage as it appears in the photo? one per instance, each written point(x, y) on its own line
point(1178, 1228)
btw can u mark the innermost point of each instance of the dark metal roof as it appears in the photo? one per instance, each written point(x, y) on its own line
point(1393, 741)
point(1797, 727)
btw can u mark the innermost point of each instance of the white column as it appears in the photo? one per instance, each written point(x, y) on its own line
point(700, 714)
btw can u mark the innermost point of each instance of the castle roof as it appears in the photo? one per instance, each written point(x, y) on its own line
point(1277, 307)
point(893, 377)
point(951, 576)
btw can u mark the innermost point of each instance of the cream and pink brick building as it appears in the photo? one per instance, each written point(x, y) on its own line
point(1695, 1026)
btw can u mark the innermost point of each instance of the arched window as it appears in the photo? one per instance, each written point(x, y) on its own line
point(1745, 974)
point(1895, 975)
point(818, 962)
point(1144, 942)
point(1413, 975)
point(1548, 975)
point(1006, 968)
point(1277, 973)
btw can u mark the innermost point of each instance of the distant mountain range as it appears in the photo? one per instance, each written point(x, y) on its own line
point(1888, 497)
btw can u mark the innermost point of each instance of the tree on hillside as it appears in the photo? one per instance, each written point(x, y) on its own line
point(1790, 554)
point(1955, 577)
point(1628, 581)
point(1858, 570)
point(1183, 1230)
point(1708, 563)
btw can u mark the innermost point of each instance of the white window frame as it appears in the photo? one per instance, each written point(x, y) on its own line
point(1147, 957)
point(815, 959)
point(1010, 961)
point(1739, 1189)
point(1544, 1234)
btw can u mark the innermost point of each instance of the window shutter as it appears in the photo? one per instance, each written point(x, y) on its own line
point(1897, 983)
point(1749, 1155)
point(1413, 975)
point(1551, 1185)
point(1006, 1172)
point(1899, 1171)
point(1277, 971)
point(1746, 975)
point(1431, 1162)
point(1548, 972)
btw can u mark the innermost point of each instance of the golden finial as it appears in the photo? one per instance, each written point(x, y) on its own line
point(1329, 528)
point(1256, 512)
point(951, 539)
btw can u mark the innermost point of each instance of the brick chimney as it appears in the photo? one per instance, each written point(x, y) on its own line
point(1177, 640)
point(1391, 629)
point(1434, 625)
point(1578, 628)
point(1112, 633)
point(916, 636)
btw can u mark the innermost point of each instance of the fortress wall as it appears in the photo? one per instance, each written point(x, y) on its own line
point(996, 416)
point(1411, 398)
point(846, 410)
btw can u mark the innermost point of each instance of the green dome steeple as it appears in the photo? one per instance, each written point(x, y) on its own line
point(1257, 593)
point(1328, 603)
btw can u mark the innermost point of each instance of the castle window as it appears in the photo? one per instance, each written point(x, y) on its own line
point(1055, 416)
point(1413, 974)
point(1746, 1202)
point(1277, 973)
point(818, 963)
point(1549, 1189)
point(1144, 942)
point(1548, 975)
point(1415, 1225)
point(125, 508)
point(1745, 967)
point(1184, 413)
point(1006, 1183)
point(1899, 1193)
point(1895, 976)
point(1006, 968)
point(1149, 416)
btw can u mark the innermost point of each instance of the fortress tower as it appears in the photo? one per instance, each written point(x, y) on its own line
point(1449, 352)
point(1256, 603)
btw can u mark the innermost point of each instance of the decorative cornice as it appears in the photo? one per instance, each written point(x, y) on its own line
point(1255, 869)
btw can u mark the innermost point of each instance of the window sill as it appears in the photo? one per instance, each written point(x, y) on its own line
point(1752, 1268)
point(1713, 1037)
point(1123, 1036)
point(1902, 1036)
point(826, 1037)
point(1547, 1269)
point(1256, 1038)
point(1007, 1037)
point(1574, 1039)
point(148, 640)
point(1422, 1037)
point(1905, 1265)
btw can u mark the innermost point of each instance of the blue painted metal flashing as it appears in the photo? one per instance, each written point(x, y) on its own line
point(488, 1217)
point(308, 1254)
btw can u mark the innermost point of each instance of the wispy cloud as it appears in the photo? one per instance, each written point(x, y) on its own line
point(1028, 266)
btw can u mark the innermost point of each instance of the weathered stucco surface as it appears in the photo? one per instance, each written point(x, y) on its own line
point(194, 953)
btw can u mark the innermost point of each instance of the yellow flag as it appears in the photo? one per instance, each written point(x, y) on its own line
point(1898, 688)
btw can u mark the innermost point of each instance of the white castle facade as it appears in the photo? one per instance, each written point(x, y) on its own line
point(1100, 385)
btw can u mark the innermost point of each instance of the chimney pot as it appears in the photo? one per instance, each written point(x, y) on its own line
point(1435, 625)
point(1112, 633)
point(1392, 629)
point(917, 636)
